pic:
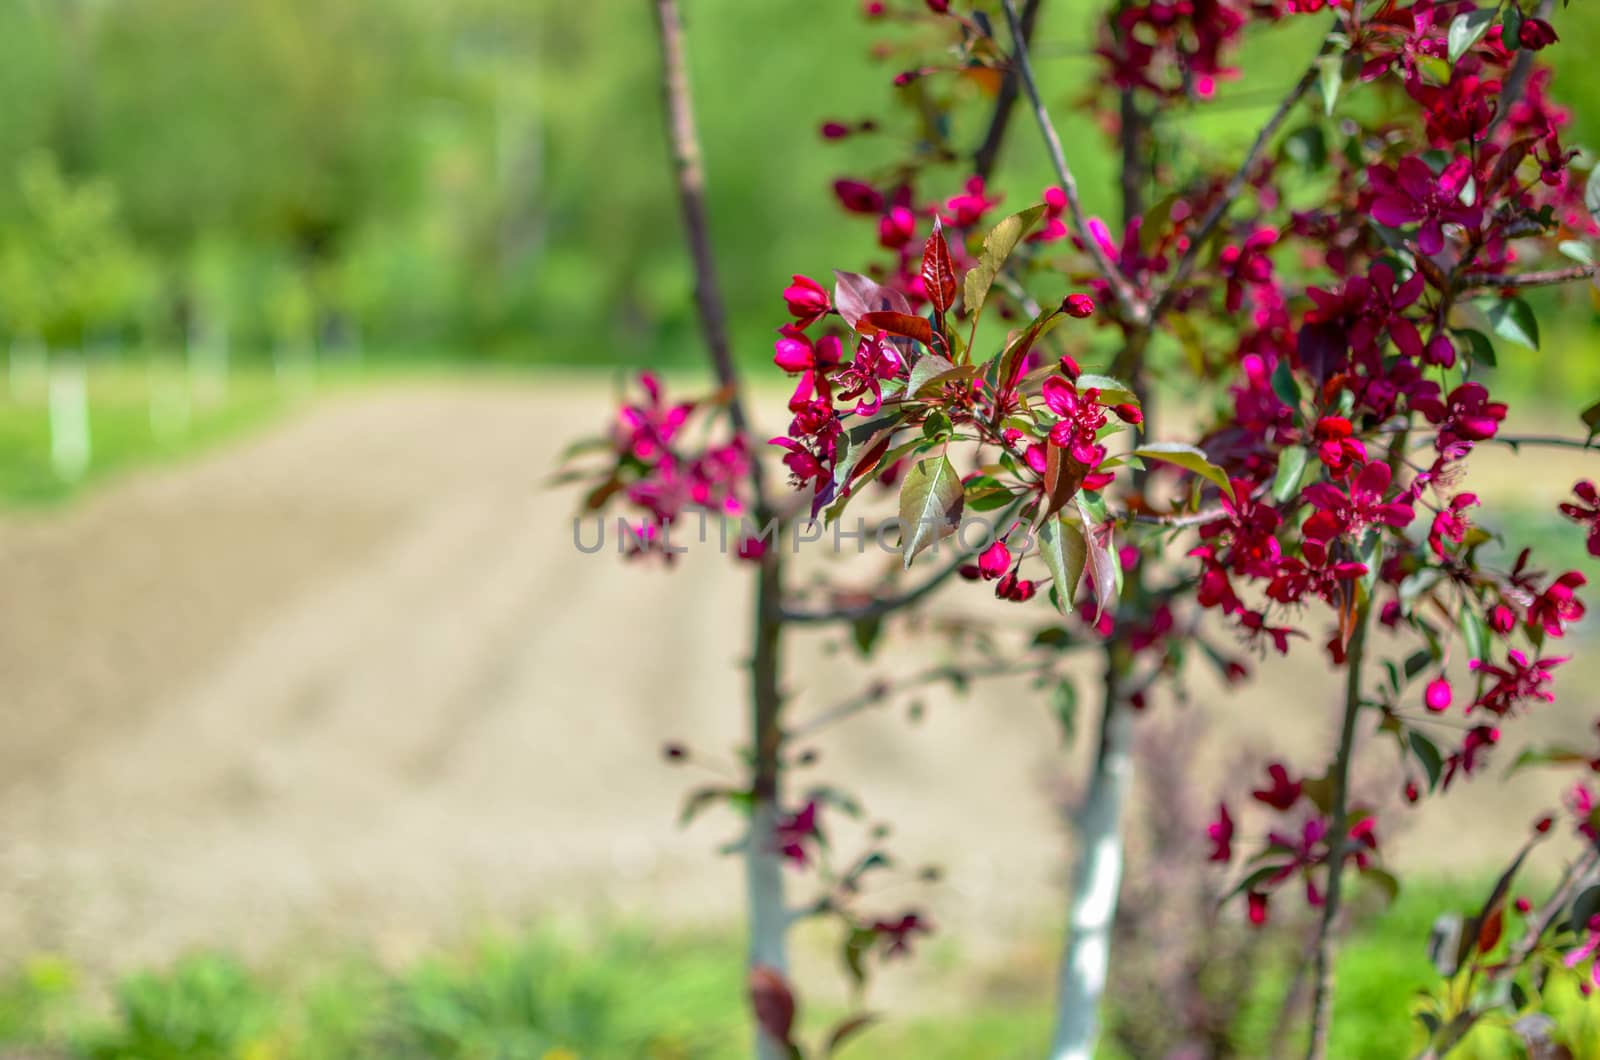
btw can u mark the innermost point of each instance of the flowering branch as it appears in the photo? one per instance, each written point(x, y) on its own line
point(1132, 308)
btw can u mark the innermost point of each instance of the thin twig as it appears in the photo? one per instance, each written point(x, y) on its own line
point(1235, 185)
point(882, 691)
point(1517, 441)
point(1133, 310)
point(1480, 281)
point(881, 606)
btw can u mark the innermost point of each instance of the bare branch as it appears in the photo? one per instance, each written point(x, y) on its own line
point(880, 692)
point(1236, 183)
point(1481, 281)
point(1133, 309)
point(1555, 441)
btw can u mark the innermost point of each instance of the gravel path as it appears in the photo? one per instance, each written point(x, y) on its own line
point(349, 679)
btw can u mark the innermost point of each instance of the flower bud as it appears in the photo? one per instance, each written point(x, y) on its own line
point(995, 561)
point(1438, 695)
point(1128, 414)
point(834, 130)
point(1536, 33)
point(1077, 305)
point(1069, 368)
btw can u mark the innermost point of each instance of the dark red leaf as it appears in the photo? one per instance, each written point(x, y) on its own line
point(855, 295)
point(772, 1002)
point(938, 272)
point(903, 325)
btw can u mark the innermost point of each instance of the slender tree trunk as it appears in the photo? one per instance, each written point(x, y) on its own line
point(767, 910)
point(1338, 828)
point(1097, 880)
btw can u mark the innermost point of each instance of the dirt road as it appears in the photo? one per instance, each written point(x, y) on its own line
point(350, 679)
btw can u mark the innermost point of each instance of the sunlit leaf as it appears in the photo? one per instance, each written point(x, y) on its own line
point(931, 501)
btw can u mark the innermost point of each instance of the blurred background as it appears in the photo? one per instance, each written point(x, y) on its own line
point(320, 740)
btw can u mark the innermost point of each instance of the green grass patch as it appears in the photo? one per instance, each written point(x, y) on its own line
point(634, 993)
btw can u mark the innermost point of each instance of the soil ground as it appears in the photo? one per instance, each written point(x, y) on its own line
point(348, 679)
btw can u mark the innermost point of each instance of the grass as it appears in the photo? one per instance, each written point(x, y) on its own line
point(638, 994)
point(144, 412)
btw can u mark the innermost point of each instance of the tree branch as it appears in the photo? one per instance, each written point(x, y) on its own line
point(1516, 441)
point(1490, 281)
point(1236, 183)
point(1133, 310)
point(988, 154)
point(881, 691)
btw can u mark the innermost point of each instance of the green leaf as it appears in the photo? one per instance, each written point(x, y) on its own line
point(1591, 192)
point(1475, 633)
point(1291, 468)
point(1482, 348)
point(1467, 29)
point(1285, 385)
point(1064, 551)
point(1591, 417)
point(1511, 27)
point(930, 505)
point(997, 247)
point(1384, 880)
point(1307, 147)
point(937, 425)
point(1065, 702)
point(1332, 77)
point(1417, 662)
point(1016, 350)
point(1577, 250)
point(1112, 391)
point(928, 367)
point(1512, 318)
point(865, 633)
point(1189, 457)
point(1427, 756)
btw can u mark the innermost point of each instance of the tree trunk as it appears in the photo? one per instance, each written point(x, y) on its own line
point(1096, 883)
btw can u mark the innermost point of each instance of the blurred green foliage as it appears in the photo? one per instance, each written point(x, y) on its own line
point(638, 994)
point(486, 175)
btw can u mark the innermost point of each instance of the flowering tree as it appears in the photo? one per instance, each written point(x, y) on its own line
point(1327, 304)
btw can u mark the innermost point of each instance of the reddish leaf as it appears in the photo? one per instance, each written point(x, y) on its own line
point(1062, 478)
point(1489, 930)
point(904, 325)
point(772, 1002)
point(1103, 562)
point(938, 272)
point(847, 1029)
point(855, 295)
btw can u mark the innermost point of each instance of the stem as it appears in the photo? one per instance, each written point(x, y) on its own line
point(1322, 999)
point(1096, 883)
point(767, 912)
point(1133, 310)
point(988, 154)
point(1556, 441)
